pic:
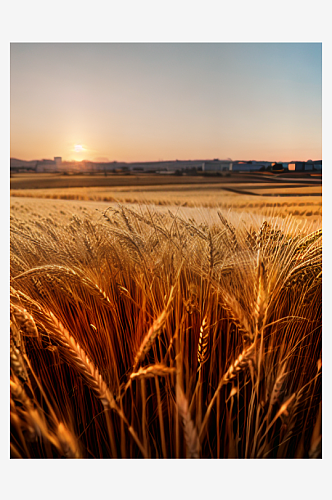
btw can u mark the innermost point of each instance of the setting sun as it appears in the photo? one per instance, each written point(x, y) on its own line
point(78, 148)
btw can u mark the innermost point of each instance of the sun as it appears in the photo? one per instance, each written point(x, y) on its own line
point(78, 148)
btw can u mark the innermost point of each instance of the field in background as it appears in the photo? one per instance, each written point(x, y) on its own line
point(57, 180)
point(256, 194)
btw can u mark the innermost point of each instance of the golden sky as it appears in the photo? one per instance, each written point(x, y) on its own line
point(166, 101)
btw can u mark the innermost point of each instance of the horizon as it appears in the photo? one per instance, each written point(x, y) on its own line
point(96, 160)
point(143, 102)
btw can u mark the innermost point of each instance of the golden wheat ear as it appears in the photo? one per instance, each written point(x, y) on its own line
point(21, 324)
point(157, 370)
point(77, 358)
point(189, 429)
point(202, 349)
point(260, 306)
point(149, 338)
point(153, 332)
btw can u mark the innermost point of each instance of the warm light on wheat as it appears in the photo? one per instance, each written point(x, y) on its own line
point(140, 333)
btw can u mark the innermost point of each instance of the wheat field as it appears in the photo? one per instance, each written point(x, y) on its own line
point(147, 334)
point(306, 206)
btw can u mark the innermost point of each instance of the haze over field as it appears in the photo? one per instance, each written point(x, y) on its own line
point(146, 102)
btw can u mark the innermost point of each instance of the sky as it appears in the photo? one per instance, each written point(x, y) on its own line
point(166, 101)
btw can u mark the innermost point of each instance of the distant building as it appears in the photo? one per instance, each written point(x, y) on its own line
point(302, 166)
point(217, 165)
point(318, 165)
point(313, 165)
point(58, 161)
point(46, 166)
point(250, 166)
point(296, 165)
point(22, 165)
point(49, 165)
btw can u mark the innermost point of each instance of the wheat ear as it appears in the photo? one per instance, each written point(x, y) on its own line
point(202, 343)
point(24, 320)
point(261, 299)
point(152, 371)
point(239, 316)
point(68, 442)
point(153, 332)
point(67, 271)
point(76, 357)
point(277, 387)
point(190, 432)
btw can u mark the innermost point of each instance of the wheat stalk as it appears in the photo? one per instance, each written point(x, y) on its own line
point(316, 438)
point(35, 424)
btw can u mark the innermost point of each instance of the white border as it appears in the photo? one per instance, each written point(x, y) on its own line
point(240, 21)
